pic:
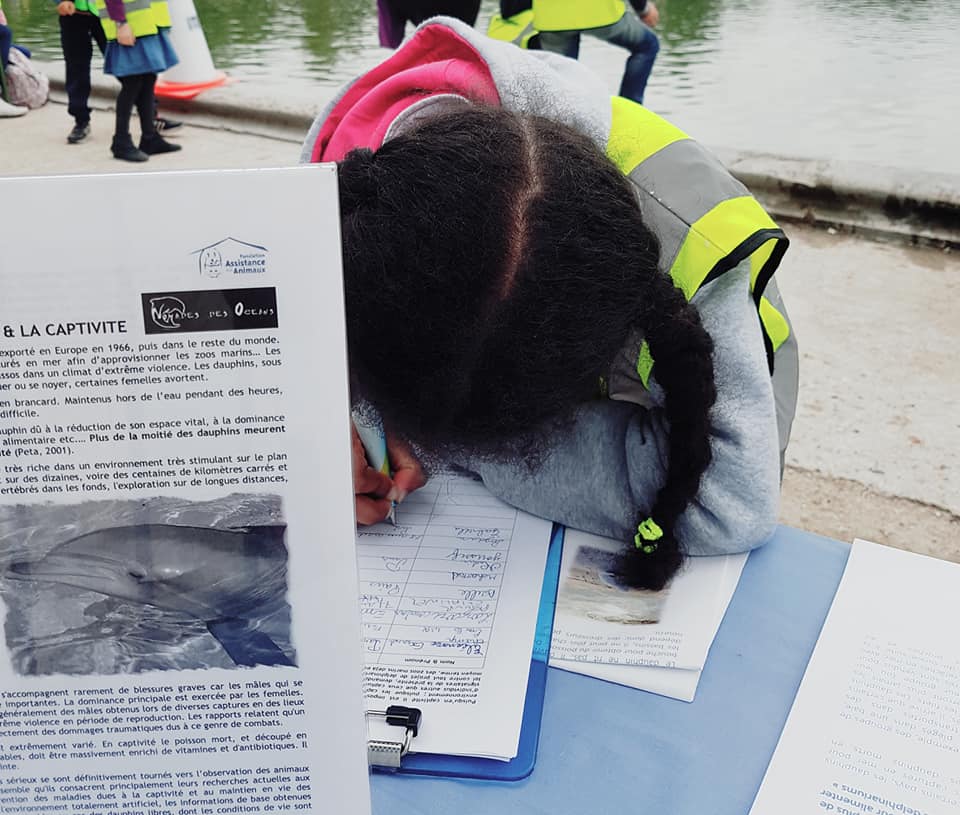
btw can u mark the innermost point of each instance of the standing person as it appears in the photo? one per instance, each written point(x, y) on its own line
point(6, 42)
point(560, 23)
point(562, 293)
point(137, 50)
point(79, 29)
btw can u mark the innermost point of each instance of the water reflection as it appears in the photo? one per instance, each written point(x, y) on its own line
point(867, 80)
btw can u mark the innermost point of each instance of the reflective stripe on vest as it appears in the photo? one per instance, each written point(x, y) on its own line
point(707, 222)
point(572, 15)
point(517, 29)
point(144, 17)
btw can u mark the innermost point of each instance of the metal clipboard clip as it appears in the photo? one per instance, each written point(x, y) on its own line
point(388, 753)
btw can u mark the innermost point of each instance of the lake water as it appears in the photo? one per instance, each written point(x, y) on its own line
point(865, 80)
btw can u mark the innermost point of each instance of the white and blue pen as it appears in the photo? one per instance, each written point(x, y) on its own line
point(374, 441)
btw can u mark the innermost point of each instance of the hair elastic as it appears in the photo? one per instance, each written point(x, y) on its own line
point(647, 534)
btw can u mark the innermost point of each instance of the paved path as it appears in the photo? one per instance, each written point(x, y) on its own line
point(876, 449)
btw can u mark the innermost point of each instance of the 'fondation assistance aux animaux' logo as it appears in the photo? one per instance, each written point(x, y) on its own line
point(230, 256)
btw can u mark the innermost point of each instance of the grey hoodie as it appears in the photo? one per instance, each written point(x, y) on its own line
point(611, 463)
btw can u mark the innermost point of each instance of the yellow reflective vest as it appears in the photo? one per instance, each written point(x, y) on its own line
point(144, 16)
point(572, 15)
point(518, 29)
point(707, 221)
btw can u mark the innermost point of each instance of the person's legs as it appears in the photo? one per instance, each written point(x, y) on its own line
point(77, 53)
point(129, 89)
point(146, 105)
point(151, 142)
point(123, 147)
point(630, 33)
point(561, 42)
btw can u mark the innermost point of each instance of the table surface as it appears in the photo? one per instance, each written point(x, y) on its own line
point(605, 748)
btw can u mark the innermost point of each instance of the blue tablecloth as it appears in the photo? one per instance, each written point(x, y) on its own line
point(609, 749)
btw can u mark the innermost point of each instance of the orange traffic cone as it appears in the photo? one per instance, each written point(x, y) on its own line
point(195, 72)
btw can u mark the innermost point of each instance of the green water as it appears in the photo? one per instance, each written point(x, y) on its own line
point(866, 80)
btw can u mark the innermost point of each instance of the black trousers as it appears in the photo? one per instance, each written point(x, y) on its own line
point(136, 90)
point(416, 11)
point(78, 33)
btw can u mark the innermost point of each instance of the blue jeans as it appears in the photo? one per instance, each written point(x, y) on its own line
point(6, 40)
point(628, 32)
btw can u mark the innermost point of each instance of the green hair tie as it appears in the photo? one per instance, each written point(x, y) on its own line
point(647, 534)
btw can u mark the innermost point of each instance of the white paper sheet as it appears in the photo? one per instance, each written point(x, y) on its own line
point(449, 600)
point(176, 515)
point(675, 683)
point(875, 726)
point(600, 622)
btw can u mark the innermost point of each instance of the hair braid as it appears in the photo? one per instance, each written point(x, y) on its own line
point(683, 353)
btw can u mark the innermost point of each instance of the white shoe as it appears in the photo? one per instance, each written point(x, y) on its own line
point(7, 110)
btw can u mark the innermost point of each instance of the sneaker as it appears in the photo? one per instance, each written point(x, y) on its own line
point(8, 111)
point(165, 125)
point(79, 133)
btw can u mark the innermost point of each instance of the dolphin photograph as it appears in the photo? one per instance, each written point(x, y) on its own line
point(109, 587)
point(593, 589)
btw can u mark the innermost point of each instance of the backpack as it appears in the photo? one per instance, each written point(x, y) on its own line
point(25, 84)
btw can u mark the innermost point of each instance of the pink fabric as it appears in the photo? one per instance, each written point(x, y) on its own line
point(434, 61)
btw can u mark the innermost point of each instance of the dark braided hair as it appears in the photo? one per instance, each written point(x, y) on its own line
point(494, 266)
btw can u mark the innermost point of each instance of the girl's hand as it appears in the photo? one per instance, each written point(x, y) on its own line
point(652, 15)
point(408, 475)
point(373, 490)
point(370, 487)
point(66, 8)
point(125, 35)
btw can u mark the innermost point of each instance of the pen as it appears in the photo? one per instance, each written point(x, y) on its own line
point(374, 440)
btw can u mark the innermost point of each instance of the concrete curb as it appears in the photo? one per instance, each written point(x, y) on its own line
point(916, 206)
point(879, 202)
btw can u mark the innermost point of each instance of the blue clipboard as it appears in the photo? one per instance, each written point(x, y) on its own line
point(522, 765)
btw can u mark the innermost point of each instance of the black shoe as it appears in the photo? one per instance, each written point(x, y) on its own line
point(122, 148)
point(155, 144)
point(79, 133)
point(165, 125)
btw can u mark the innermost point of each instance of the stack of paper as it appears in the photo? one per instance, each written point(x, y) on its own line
point(449, 599)
point(655, 641)
point(875, 727)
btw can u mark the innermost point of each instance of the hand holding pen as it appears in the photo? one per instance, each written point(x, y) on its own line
point(376, 492)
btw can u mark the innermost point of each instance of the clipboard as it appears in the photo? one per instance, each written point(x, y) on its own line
point(400, 756)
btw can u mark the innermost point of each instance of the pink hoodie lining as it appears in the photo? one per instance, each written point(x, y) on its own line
point(435, 61)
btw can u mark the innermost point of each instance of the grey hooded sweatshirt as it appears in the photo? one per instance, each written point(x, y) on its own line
point(612, 461)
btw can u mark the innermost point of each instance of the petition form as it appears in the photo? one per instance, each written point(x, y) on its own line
point(449, 600)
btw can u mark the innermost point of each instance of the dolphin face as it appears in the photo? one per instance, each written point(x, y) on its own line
point(207, 573)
